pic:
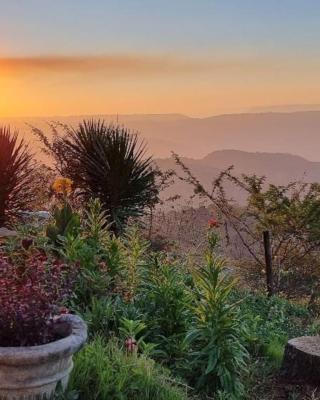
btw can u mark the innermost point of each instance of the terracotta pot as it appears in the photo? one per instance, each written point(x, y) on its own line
point(32, 373)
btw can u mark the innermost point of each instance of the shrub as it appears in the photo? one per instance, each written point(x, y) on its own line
point(291, 213)
point(218, 356)
point(133, 261)
point(31, 294)
point(103, 371)
point(66, 222)
point(95, 223)
point(102, 316)
point(109, 265)
point(164, 299)
point(271, 321)
point(16, 176)
point(106, 162)
point(100, 267)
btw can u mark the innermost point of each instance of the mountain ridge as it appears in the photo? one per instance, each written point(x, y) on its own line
point(290, 132)
point(278, 168)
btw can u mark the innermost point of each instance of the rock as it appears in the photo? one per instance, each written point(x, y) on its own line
point(37, 214)
point(301, 361)
point(4, 232)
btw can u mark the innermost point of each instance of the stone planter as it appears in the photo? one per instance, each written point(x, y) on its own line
point(32, 373)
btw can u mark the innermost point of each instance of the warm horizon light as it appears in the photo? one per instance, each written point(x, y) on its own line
point(194, 58)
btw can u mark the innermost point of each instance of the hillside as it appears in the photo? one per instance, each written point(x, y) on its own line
point(279, 168)
point(194, 137)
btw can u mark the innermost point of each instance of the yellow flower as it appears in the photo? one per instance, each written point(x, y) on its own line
point(62, 185)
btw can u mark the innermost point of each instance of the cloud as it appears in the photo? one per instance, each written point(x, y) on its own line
point(130, 65)
point(113, 64)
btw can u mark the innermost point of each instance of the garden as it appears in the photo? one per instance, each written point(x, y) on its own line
point(82, 279)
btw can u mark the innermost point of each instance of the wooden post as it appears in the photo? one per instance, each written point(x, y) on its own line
point(268, 258)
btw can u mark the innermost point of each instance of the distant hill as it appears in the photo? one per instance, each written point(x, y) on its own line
point(279, 168)
point(273, 132)
point(277, 145)
point(285, 108)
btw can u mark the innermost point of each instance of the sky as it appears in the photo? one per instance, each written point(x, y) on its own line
point(195, 57)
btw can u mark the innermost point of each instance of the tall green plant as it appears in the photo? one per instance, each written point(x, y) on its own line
point(218, 356)
point(135, 248)
point(95, 223)
point(165, 301)
point(65, 223)
point(16, 176)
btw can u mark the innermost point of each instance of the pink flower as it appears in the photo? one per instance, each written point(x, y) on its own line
point(103, 266)
point(131, 345)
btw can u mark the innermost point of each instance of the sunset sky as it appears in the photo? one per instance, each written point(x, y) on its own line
point(196, 57)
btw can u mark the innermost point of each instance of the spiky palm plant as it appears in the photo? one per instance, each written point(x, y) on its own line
point(106, 162)
point(16, 175)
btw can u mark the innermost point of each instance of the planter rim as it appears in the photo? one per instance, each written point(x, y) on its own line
point(30, 355)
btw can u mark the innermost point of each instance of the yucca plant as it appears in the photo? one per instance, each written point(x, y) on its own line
point(17, 169)
point(107, 162)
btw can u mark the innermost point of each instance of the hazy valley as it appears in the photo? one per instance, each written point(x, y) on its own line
point(294, 133)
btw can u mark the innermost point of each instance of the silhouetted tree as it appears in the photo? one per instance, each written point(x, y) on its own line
point(105, 162)
point(16, 175)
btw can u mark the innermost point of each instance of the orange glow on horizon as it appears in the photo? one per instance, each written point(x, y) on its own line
point(127, 84)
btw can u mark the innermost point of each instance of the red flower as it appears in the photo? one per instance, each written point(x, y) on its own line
point(213, 223)
point(63, 310)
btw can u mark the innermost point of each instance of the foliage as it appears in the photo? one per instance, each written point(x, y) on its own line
point(42, 192)
point(62, 394)
point(291, 213)
point(105, 162)
point(103, 371)
point(85, 241)
point(108, 266)
point(133, 334)
point(164, 300)
point(271, 321)
point(93, 279)
point(66, 223)
point(103, 316)
point(144, 307)
point(134, 251)
point(218, 355)
point(31, 292)
point(17, 172)
point(181, 312)
point(151, 304)
point(95, 222)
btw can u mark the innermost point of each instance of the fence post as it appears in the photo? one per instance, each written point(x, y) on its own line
point(268, 258)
